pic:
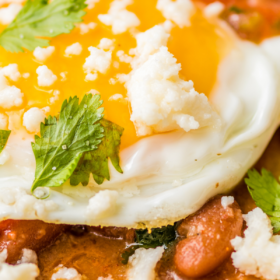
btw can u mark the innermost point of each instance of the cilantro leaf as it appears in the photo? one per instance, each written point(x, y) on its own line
point(265, 190)
point(63, 141)
point(4, 135)
point(144, 239)
point(96, 161)
point(39, 19)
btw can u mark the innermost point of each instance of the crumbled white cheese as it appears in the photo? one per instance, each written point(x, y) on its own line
point(24, 271)
point(74, 49)
point(119, 18)
point(91, 3)
point(143, 263)
point(63, 76)
point(28, 256)
point(161, 101)
point(226, 201)
point(213, 10)
point(55, 97)
point(8, 14)
point(106, 44)
point(112, 81)
point(3, 121)
point(91, 77)
point(66, 274)
point(122, 78)
point(45, 76)
point(32, 119)
point(102, 204)
point(4, 157)
point(10, 96)
point(98, 61)
point(258, 253)
point(179, 11)
point(94, 91)
point(42, 54)
point(167, 25)
point(86, 27)
point(124, 57)
point(26, 75)
point(148, 43)
point(115, 97)
point(11, 72)
point(26, 204)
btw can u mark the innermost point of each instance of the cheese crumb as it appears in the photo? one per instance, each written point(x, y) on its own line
point(45, 76)
point(148, 43)
point(161, 101)
point(8, 14)
point(213, 10)
point(23, 271)
point(42, 54)
point(10, 96)
point(258, 253)
point(102, 204)
point(116, 97)
point(106, 44)
point(119, 18)
point(124, 57)
point(143, 263)
point(66, 274)
point(11, 72)
point(179, 11)
point(98, 61)
point(28, 256)
point(226, 201)
point(32, 119)
point(86, 27)
point(74, 49)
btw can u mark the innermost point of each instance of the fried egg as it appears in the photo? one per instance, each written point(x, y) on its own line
point(169, 170)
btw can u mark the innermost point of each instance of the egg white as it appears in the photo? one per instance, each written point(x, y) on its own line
point(167, 176)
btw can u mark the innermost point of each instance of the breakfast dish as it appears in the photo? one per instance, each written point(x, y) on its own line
point(127, 128)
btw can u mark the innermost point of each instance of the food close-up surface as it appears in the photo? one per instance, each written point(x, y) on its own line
point(139, 139)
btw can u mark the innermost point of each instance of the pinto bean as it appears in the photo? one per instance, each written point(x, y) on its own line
point(208, 234)
point(16, 235)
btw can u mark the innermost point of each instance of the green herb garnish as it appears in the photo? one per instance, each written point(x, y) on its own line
point(4, 135)
point(38, 21)
point(144, 239)
point(265, 190)
point(96, 162)
point(63, 141)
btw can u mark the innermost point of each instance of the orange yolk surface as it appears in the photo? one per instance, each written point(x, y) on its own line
point(196, 47)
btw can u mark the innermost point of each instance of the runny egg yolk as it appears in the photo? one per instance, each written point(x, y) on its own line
point(196, 47)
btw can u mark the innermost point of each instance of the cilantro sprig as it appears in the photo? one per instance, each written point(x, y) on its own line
point(38, 21)
point(145, 239)
point(63, 141)
point(4, 135)
point(265, 190)
point(96, 161)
